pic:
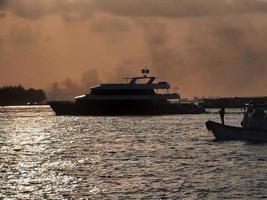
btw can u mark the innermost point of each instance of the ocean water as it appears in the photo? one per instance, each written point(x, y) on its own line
point(43, 156)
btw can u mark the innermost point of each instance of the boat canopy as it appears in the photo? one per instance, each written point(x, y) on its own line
point(132, 86)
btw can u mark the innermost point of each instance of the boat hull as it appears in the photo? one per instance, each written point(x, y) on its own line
point(225, 132)
point(122, 108)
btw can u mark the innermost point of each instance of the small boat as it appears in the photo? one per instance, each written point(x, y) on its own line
point(226, 132)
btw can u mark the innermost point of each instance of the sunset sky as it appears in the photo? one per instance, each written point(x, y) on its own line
point(204, 47)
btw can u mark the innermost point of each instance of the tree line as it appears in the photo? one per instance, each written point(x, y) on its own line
point(232, 102)
point(17, 95)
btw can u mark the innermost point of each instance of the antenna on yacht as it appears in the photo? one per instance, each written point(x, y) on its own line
point(145, 72)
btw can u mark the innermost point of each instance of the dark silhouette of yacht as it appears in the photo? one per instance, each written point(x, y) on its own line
point(139, 96)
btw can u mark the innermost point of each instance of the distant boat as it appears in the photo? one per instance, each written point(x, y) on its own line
point(131, 98)
point(225, 132)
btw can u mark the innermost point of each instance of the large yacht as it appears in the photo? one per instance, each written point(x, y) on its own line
point(141, 95)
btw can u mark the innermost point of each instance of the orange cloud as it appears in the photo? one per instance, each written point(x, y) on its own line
point(206, 47)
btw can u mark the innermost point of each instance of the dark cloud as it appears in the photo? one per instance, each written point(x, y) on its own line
point(222, 57)
point(3, 4)
point(82, 9)
point(110, 24)
point(23, 35)
point(158, 8)
point(113, 28)
point(180, 8)
point(68, 88)
point(69, 10)
point(237, 59)
point(1, 43)
point(165, 60)
point(2, 15)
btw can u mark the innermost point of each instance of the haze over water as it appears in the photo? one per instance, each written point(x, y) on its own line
point(152, 157)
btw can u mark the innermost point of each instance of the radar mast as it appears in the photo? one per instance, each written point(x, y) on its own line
point(145, 72)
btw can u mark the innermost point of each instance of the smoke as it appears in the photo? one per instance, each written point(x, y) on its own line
point(68, 89)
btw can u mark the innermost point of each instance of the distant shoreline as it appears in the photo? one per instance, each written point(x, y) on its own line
point(232, 102)
point(43, 104)
point(18, 95)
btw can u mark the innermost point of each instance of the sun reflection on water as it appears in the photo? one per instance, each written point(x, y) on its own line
point(47, 157)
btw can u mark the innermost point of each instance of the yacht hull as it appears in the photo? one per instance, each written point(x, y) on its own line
point(122, 108)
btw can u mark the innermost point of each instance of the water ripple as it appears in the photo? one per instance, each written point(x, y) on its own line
point(43, 156)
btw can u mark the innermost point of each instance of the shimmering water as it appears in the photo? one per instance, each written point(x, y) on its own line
point(43, 156)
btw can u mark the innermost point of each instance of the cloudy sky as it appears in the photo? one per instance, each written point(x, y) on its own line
point(204, 47)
